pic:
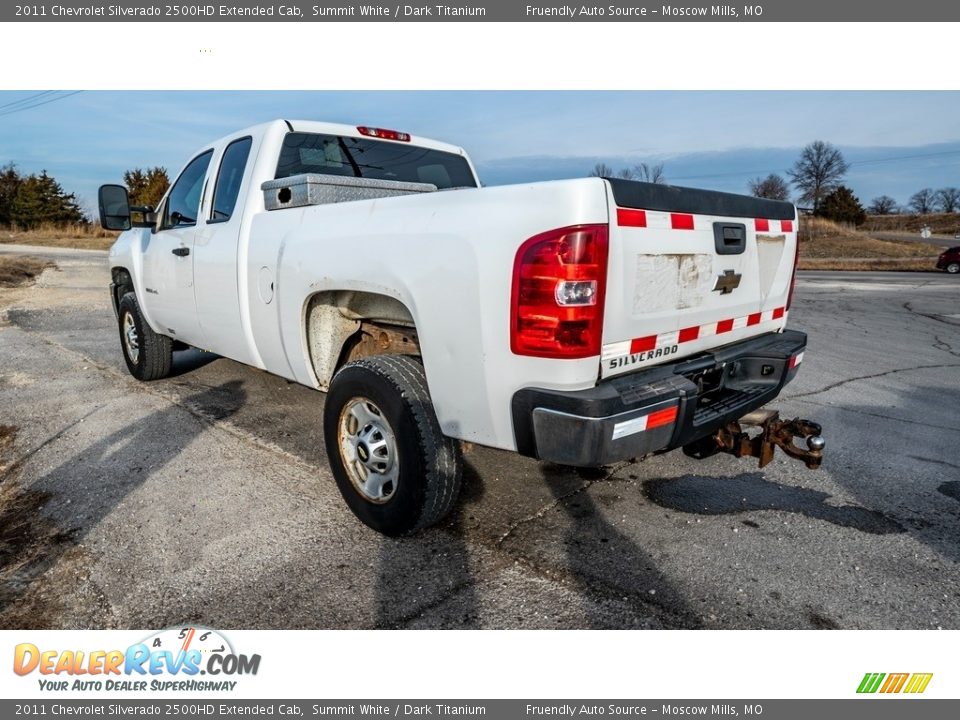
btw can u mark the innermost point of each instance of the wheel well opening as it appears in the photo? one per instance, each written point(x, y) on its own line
point(122, 284)
point(342, 326)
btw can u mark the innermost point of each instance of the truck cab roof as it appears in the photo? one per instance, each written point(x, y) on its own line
point(284, 126)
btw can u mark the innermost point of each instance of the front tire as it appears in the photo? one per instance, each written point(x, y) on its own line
point(149, 355)
point(396, 470)
point(953, 268)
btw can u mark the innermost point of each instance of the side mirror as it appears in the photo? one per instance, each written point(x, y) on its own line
point(116, 212)
point(114, 207)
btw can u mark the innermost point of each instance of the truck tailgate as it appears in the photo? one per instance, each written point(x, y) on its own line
point(690, 270)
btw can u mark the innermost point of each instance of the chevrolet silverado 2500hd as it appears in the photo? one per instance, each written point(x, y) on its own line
point(578, 321)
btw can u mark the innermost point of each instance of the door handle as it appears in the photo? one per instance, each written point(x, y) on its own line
point(181, 251)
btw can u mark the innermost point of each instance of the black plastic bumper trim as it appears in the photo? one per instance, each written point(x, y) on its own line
point(576, 428)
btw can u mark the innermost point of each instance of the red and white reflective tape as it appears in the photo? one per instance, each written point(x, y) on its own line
point(656, 419)
point(795, 360)
point(763, 225)
point(631, 217)
point(694, 332)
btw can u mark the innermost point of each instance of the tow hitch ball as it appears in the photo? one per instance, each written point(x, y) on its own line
point(774, 432)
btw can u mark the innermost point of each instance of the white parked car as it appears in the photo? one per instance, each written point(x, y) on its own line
point(578, 321)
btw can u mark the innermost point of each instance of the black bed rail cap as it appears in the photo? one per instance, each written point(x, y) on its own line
point(671, 198)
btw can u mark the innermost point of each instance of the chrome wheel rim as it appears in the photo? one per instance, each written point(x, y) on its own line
point(131, 340)
point(368, 449)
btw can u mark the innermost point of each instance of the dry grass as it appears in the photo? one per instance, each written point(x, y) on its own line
point(895, 265)
point(940, 223)
point(820, 238)
point(85, 237)
point(17, 271)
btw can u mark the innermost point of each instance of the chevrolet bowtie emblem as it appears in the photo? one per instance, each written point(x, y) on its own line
point(727, 282)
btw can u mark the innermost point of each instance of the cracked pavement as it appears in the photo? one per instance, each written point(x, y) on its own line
point(207, 498)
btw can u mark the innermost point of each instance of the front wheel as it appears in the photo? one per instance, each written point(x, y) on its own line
point(149, 355)
point(953, 268)
point(394, 467)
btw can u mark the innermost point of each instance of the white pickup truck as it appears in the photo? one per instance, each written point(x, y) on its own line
point(581, 322)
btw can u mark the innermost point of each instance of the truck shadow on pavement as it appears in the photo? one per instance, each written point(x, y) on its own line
point(605, 564)
point(951, 489)
point(66, 504)
point(407, 584)
point(750, 492)
point(186, 361)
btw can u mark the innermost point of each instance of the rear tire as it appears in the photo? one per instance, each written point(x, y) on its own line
point(396, 470)
point(149, 355)
point(953, 268)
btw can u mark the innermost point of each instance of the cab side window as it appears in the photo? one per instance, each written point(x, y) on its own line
point(183, 204)
point(228, 180)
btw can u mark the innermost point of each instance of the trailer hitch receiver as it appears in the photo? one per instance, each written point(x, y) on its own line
point(774, 433)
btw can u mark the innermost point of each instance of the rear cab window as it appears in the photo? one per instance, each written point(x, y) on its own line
point(373, 159)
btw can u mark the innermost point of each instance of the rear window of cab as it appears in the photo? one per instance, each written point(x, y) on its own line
point(374, 159)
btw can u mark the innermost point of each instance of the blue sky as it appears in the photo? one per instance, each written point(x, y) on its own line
point(898, 142)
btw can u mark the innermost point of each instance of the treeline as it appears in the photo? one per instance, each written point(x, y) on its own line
point(817, 177)
point(31, 201)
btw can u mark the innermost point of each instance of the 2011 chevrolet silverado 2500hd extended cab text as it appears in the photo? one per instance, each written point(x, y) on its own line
point(578, 321)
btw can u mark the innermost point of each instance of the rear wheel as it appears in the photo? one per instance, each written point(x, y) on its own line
point(953, 268)
point(394, 467)
point(148, 354)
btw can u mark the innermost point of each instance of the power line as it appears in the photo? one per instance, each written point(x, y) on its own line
point(38, 104)
point(907, 157)
point(28, 98)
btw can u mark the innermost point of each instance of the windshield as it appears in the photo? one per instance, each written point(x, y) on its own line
point(375, 159)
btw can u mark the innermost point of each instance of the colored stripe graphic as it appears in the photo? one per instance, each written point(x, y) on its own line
point(870, 682)
point(918, 682)
point(894, 683)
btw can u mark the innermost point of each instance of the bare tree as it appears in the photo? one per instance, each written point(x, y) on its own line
point(883, 205)
point(601, 170)
point(922, 201)
point(772, 187)
point(818, 171)
point(948, 199)
point(643, 172)
point(649, 173)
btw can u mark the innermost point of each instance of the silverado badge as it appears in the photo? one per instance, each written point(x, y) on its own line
point(727, 282)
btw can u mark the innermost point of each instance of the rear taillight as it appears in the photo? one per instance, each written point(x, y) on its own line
point(559, 283)
point(793, 277)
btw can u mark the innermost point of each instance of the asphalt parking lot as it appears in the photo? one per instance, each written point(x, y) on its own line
point(207, 498)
